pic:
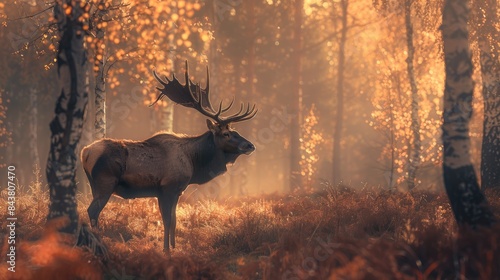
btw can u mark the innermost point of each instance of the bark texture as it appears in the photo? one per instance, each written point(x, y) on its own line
point(414, 156)
point(66, 127)
point(100, 82)
point(490, 72)
point(467, 201)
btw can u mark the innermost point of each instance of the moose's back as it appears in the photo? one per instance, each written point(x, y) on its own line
point(134, 168)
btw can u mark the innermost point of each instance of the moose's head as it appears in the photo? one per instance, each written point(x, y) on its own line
point(229, 140)
point(193, 96)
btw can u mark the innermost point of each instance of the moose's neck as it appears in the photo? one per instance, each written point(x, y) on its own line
point(208, 161)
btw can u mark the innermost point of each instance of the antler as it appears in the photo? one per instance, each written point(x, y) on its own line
point(193, 96)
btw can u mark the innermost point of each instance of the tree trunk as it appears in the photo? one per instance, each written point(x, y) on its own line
point(66, 127)
point(339, 115)
point(167, 117)
point(391, 180)
point(467, 201)
point(490, 72)
point(414, 156)
point(100, 104)
point(296, 98)
point(214, 58)
point(5, 132)
point(152, 121)
point(86, 138)
point(100, 81)
point(9, 126)
point(33, 120)
point(166, 113)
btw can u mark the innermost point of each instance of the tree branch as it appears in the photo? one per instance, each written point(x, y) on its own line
point(33, 15)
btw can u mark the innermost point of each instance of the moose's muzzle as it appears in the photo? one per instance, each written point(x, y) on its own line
point(246, 148)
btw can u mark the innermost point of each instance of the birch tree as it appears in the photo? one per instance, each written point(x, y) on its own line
point(66, 127)
point(467, 201)
point(490, 73)
point(100, 83)
point(414, 157)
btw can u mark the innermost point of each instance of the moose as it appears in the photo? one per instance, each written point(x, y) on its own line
point(165, 164)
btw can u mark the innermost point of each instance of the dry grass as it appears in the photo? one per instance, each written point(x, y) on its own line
point(335, 233)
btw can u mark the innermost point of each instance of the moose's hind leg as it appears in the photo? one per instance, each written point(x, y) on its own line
point(101, 191)
point(95, 209)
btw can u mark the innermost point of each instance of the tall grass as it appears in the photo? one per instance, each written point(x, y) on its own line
point(336, 233)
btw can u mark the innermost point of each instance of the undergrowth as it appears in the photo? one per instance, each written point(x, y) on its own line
point(335, 233)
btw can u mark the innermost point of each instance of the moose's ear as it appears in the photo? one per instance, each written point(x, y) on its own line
point(212, 126)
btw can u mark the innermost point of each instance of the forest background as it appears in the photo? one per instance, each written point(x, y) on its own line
point(341, 71)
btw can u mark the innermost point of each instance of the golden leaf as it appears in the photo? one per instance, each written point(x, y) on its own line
point(68, 10)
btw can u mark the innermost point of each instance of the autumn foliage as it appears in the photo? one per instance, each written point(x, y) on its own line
point(318, 232)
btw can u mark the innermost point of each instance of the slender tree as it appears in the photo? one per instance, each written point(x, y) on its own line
point(33, 123)
point(5, 132)
point(296, 98)
point(490, 73)
point(166, 112)
point(339, 117)
point(66, 127)
point(414, 157)
point(100, 83)
point(467, 201)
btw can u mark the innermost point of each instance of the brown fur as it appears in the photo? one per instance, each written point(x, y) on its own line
point(161, 166)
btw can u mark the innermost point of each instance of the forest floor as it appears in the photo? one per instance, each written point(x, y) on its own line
point(335, 233)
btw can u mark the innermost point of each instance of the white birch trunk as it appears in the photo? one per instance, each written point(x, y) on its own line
point(467, 202)
point(490, 73)
point(66, 127)
point(100, 81)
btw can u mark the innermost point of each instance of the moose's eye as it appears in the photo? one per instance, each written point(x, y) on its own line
point(226, 134)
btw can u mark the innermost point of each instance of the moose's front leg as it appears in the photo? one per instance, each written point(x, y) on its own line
point(174, 220)
point(166, 201)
